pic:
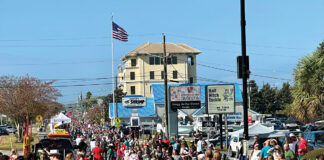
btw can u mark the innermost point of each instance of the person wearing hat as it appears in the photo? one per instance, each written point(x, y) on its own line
point(302, 147)
point(255, 154)
point(292, 142)
point(54, 154)
point(183, 149)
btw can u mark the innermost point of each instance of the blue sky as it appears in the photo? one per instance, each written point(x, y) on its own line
point(72, 39)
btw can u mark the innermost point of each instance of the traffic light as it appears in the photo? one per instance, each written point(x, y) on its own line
point(240, 67)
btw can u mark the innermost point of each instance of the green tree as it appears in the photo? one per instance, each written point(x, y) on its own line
point(119, 94)
point(269, 103)
point(308, 91)
point(255, 97)
point(284, 97)
point(88, 95)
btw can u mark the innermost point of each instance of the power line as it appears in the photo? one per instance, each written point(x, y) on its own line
point(234, 43)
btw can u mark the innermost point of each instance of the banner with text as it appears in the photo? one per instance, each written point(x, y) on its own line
point(185, 97)
point(134, 101)
point(220, 98)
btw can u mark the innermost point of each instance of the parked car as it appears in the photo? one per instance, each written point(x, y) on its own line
point(11, 129)
point(215, 140)
point(315, 139)
point(3, 131)
point(147, 129)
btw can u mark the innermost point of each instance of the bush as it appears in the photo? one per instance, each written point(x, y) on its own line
point(312, 154)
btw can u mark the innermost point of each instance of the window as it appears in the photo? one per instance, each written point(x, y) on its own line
point(191, 80)
point(175, 74)
point(151, 74)
point(190, 60)
point(169, 60)
point(157, 60)
point(132, 89)
point(133, 62)
point(151, 59)
point(132, 75)
point(162, 74)
point(162, 60)
point(174, 60)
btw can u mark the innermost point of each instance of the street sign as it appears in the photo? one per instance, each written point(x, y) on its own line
point(117, 120)
point(220, 98)
point(185, 97)
point(208, 124)
point(39, 118)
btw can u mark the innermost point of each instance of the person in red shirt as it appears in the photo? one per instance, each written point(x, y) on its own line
point(302, 148)
point(97, 152)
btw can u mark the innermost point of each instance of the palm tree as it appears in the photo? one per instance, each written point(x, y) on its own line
point(308, 91)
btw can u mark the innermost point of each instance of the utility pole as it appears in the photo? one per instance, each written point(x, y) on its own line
point(165, 88)
point(244, 71)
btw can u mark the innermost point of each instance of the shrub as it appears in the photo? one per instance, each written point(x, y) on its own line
point(312, 154)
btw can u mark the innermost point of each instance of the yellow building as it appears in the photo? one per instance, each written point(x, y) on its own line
point(143, 67)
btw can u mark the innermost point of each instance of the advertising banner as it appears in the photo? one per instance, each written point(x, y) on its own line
point(220, 98)
point(185, 97)
point(134, 101)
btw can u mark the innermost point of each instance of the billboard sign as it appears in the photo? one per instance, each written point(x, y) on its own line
point(134, 101)
point(220, 98)
point(185, 97)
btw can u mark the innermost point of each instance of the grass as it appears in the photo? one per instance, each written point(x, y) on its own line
point(9, 142)
point(312, 154)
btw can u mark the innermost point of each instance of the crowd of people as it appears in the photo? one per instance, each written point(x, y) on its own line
point(97, 142)
point(295, 147)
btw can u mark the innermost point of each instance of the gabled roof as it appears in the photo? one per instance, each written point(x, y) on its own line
point(154, 48)
point(146, 111)
point(158, 91)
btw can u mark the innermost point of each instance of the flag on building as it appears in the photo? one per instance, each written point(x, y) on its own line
point(119, 33)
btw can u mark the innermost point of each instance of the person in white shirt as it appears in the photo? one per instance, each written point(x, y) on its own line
point(92, 144)
point(293, 142)
point(78, 140)
point(255, 154)
point(200, 145)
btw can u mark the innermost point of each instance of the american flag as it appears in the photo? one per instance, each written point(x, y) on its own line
point(119, 33)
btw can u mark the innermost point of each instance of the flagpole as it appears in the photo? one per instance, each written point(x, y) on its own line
point(112, 66)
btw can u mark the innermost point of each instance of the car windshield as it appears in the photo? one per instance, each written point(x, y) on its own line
point(319, 138)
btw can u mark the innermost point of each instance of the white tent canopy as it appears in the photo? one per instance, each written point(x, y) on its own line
point(60, 118)
point(255, 129)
